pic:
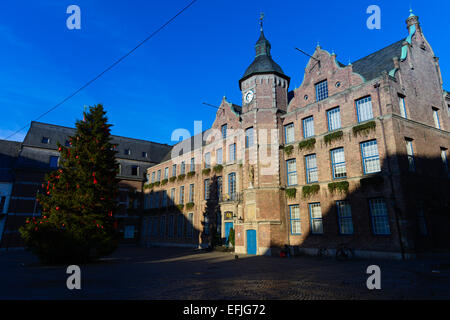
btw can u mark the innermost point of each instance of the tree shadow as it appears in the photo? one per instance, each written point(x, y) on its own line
point(400, 212)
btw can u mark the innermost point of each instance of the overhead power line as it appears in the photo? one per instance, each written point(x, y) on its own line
point(106, 70)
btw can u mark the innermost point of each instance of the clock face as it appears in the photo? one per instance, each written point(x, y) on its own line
point(248, 97)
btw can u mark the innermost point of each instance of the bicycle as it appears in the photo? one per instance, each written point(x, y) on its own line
point(322, 252)
point(344, 253)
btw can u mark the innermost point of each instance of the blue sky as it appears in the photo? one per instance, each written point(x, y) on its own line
point(198, 58)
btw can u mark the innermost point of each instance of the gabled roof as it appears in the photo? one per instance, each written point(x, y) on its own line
point(374, 64)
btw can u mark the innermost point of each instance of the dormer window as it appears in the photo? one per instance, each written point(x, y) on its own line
point(127, 152)
point(144, 154)
point(45, 140)
point(134, 170)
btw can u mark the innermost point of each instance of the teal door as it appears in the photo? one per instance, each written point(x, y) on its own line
point(228, 226)
point(251, 241)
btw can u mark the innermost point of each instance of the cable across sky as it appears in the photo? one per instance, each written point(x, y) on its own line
point(115, 63)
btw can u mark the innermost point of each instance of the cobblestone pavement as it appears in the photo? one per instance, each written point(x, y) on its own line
point(174, 273)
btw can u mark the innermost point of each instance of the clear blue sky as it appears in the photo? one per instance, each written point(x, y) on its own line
point(198, 58)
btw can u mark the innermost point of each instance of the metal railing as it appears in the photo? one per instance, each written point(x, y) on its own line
point(231, 197)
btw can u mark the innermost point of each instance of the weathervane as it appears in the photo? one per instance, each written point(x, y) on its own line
point(261, 17)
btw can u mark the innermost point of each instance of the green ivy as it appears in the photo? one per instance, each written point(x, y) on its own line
point(206, 171)
point(310, 190)
point(181, 177)
point(189, 205)
point(180, 206)
point(307, 144)
point(333, 136)
point(164, 181)
point(341, 186)
point(172, 179)
point(191, 174)
point(291, 193)
point(218, 168)
point(149, 185)
point(288, 150)
point(157, 183)
point(365, 128)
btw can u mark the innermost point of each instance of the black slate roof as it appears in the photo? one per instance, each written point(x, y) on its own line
point(262, 64)
point(155, 151)
point(9, 151)
point(374, 64)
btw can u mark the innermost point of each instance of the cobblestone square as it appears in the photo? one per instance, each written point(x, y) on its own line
point(175, 273)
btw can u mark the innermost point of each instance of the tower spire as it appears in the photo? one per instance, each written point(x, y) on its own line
point(261, 18)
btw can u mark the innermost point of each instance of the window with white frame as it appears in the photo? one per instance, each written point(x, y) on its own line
point(289, 133)
point(224, 131)
point(316, 218)
point(232, 184)
point(321, 90)
point(191, 192)
point(207, 185)
point(162, 230)
point(174, 170)
point(192, 168)
point(219, 156)
point(159, 175)
point(232, 152)
point(364, 109)
point(308, 127)
point(437, 123)
point(334, 119)
point(181, 199)
point(172, 196)
point(294, 212)
point(444, 159)
point(312, 174)
point(155, 227)
point(379, 217)
point(344, 212)
point(421, 220)
point(207, 160)
point(402, 105)
point(291, 168)
point(370, 157)
point(219, 187)
point(190, 225)
point(54, 161)
point(171, 226)
point(153, 176)
point(249, 137)
point(338, 163)
point(410, 155)
point(164, 199)
point(183, 167)
point(180, 218)
point(206, 225)
point(166, 173)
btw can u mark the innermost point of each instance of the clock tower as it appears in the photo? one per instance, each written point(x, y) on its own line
point(264, 88)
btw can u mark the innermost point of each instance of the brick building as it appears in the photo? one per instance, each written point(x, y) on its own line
point(24, 165)
point(357, 155)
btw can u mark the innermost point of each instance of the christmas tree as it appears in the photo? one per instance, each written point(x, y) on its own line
point(78, 201)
